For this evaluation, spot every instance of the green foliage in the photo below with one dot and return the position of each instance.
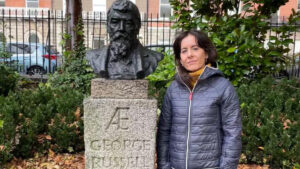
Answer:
(162, 77)
(222, 7)
(270, 109)
(240, 38)
(75, 73)
(215, 8)
(297, 166)
(49, 116)
(3, 53)
(8, 80)
(36, 120)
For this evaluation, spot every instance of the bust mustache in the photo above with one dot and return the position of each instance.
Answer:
(119, 46)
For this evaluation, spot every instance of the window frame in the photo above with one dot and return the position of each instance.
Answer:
(102, 5)
(32, 1)
(37, 39)
(160, 12)
(2, 1)
(99, 39)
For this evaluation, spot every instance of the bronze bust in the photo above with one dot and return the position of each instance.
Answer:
(124, 57)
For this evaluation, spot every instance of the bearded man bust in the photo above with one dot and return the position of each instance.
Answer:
(124, 57)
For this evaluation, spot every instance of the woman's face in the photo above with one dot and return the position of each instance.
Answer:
(192, 57)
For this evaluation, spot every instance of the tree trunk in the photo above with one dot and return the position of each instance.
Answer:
(74, 17)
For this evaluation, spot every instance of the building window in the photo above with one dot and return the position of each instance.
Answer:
(274, 17)
(33, 38)
(99, 6)
(32, 3)
(165, 8)
(2, 3)
(98, 43)
(298, 4)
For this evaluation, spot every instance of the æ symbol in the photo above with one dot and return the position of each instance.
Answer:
(119, 119)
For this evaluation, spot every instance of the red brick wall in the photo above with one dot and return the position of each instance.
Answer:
(22, 3)
(45, 3)
(286, 10)
(15, 3)
(154, 7)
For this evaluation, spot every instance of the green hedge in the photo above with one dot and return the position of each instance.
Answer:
(162, 77)
(8, 80)
(36, 120)
(271, 122)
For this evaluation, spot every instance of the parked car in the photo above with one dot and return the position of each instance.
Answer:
(31, 58)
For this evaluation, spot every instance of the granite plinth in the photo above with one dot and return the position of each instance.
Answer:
(119, 89)
(119, 133)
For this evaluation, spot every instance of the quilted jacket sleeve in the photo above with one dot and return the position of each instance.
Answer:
(232, 127)
(163, 134)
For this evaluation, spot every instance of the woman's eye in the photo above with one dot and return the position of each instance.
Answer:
(183, 51)
(195, 48)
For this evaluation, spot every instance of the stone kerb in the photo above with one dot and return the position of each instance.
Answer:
(119, 132)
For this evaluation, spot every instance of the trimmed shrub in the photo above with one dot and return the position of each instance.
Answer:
(36, 120)
(162, 77)
(271, 121)
(8, 80)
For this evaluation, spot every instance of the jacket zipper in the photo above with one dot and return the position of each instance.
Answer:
(189, 117)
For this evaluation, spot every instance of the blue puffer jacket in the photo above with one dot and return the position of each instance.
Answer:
(201, 128)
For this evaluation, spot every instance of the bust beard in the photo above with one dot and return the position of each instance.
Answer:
(120, 45)
(119, 49)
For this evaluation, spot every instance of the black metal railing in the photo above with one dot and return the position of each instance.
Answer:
(35, 37)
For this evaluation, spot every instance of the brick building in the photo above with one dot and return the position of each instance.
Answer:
(32, 28)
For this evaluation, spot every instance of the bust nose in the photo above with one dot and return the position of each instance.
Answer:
(122, 26)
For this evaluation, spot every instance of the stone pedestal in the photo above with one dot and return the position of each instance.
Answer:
(119, 125)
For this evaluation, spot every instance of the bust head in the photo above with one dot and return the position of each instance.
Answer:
(124, 57)
(123, 20)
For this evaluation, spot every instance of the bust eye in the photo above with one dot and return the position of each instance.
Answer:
(114, 21)
(129, 22)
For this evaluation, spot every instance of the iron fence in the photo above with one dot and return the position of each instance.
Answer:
(35, 37)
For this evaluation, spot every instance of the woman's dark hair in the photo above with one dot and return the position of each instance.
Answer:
(203, 42)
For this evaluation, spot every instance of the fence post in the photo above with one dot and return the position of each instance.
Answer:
(49, 40)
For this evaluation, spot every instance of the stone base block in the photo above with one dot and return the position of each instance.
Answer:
(119, 89)
(119, 133)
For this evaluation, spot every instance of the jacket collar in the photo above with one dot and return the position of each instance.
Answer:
(207, 73)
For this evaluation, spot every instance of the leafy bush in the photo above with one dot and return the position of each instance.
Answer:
(8, 80)
(75, 72)
(36, 120)
(162, 77)
(240, 37)
(271, 121)
(76, 75)
(47, 117)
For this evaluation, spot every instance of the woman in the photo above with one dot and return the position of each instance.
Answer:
(200, 124)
